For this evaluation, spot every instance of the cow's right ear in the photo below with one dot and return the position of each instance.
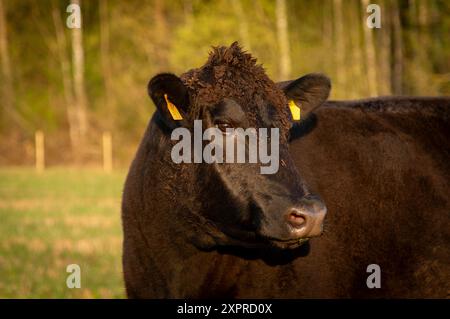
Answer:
(171, 98)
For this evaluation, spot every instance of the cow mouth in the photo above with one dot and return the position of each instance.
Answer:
(289, 243)
(251, 239)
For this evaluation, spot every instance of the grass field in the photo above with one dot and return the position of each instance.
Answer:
(57, 218)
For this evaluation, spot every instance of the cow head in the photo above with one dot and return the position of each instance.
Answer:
(235, 203)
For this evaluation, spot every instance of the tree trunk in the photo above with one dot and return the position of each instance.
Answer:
(64, 62)
(7, 92)
(243, 25)
(78, 81)
(104, 55)
(371, 63)
(327, 31)
(398, 50)
(423, 13)
(161, 36)
(355, 52)
(339, 48)
(417, 47)
(384, 76)
(283, 40)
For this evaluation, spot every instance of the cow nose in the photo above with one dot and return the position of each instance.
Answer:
(306, 220)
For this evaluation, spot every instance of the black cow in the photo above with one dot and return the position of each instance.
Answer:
(382, 167)
(226, 230)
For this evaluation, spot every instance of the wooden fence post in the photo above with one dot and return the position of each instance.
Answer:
(40, 151)
(107, 152)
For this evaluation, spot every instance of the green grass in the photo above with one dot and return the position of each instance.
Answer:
(57, 218)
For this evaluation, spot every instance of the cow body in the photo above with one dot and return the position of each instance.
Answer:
(381, 166)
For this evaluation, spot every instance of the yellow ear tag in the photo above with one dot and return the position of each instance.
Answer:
(295, 110)
(173, 109)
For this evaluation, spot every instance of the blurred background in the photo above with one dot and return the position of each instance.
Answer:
(73, 104)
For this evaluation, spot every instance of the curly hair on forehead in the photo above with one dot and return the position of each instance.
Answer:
(231, 72)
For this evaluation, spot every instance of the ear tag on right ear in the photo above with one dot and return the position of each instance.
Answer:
(295, 110)
(173, 109)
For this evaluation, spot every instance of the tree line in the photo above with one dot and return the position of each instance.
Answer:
(76, 83)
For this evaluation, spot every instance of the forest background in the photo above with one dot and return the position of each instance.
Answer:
(76, 84)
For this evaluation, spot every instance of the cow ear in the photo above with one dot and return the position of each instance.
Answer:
(306, 93)
(171, 98)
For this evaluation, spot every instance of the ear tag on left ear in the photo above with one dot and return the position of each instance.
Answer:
(173, 109)
(295, 110)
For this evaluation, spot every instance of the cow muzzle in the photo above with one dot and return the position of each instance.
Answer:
(305, 220)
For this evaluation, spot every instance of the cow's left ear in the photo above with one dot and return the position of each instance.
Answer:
(171, 98)
(306, 93)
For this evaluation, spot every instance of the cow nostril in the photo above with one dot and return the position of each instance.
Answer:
(296, 218)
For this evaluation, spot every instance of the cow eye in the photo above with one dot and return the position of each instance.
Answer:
(221, 125)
